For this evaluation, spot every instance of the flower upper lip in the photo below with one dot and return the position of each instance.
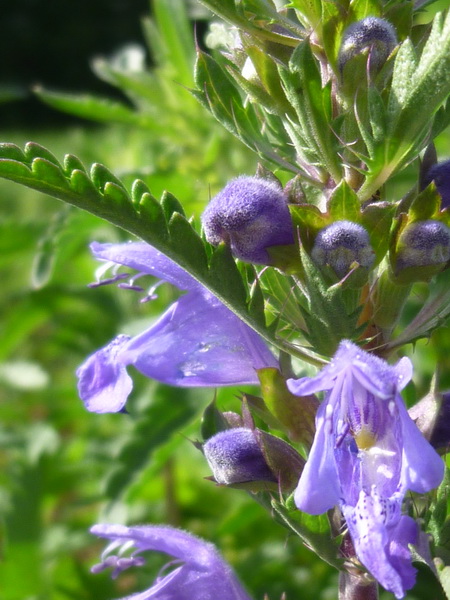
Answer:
(198, 341)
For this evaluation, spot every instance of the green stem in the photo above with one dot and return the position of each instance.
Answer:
(389, 299)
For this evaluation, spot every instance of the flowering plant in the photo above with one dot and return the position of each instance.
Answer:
(309, 263)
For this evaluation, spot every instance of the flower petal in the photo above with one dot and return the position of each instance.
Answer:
(423, 468)
(204, 575)
(381, 548)
(199, 342)
(103, 383)
(144, 258)
(318, 488)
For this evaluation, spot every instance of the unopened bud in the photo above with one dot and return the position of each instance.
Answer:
(251, 458)
(372, 34)
(440, 438)
(423, 244)
(250, 214)
(234, 456)
(342, 245)
(440, 174)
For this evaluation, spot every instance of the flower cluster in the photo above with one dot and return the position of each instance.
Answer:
(320, 267)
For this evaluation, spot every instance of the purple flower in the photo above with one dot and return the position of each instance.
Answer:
(367, 452)
(250, 214)
(197, 571)
(196, 342)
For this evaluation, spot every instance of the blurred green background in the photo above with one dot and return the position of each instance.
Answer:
(63, 469)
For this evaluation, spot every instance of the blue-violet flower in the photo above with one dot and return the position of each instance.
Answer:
(198, 571)
(250, 214)
(198, 341)
(367, 452)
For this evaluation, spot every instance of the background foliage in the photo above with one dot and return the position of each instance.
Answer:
(62, 468)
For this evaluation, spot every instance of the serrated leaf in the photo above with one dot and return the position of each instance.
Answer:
(138, 189)
(325, 313)
(72, 163)
(52, 174)
(11, 152)
(183, 245)
(416, 84)
(433, 314)
(402, 78)
(171, 205)
(150, 209)
(187, 240)
(33, 150)
(314, 108)
(83, 186)
(100, 176)
(222, 265)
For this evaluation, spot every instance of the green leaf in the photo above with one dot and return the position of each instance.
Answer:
(327, 318)
(377, 218)
(432, 315)
(103, 195)
(312, 103)
(344, 204)
(213, 421)
(175, 32)
(91, 107)
(415, 84)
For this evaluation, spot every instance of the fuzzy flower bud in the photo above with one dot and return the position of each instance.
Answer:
(440, 438)
(423, 244)
(250, 214)
(244, 457)
(234, 456)
(372, 34)
(340, 245)
(440, 174)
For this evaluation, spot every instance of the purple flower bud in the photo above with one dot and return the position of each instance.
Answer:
(440, 438)
(423, 244)
(440, 174)
(250, 214)
(373, 34)
(340, 245)
(235, 456)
